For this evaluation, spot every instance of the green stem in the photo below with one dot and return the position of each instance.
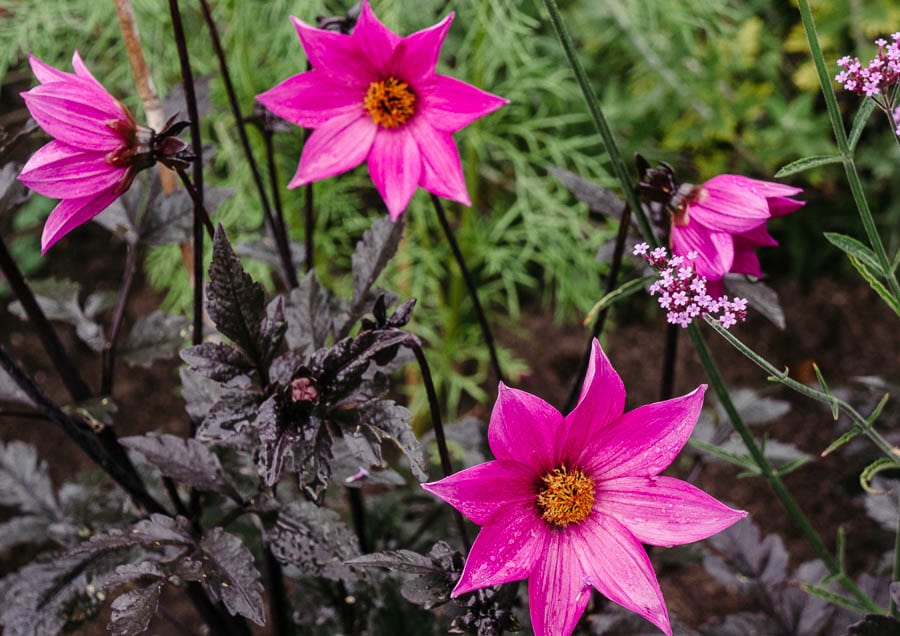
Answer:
(840, 135)
(855, 416)
(612, 149)
(771, 476)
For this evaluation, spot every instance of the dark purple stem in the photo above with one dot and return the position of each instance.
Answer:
(611, 278)
(109, 346)
(358, 515)
(470, 285)
(310, 226)
(281, 240)
(200, 210)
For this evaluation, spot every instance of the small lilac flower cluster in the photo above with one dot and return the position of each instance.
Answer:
(879, 75)
(683, 293)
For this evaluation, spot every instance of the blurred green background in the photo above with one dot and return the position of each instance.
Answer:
(709, 86)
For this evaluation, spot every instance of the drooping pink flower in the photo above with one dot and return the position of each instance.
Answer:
(373, 96)
(569, 500)
(724, 221)
(97, 147)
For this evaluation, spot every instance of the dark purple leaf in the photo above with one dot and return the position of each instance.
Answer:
(391, 421)
(235, 302)
(743, 561)
(133, 610)
(184, 460)
(229, 420)
(220, 362)
(314, 540)
(742, 624)
(10, 391)
(154, 337)
(231, 575)
(23, 530)
(289, 443)
(309, 315)
(599, 199)
(24, 481)
(199, 393)
(875, 625)
(761, 297)
(271, 332)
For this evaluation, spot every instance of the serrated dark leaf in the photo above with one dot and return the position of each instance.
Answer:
(289, 443)
(742, 624)
(220, 362)
(397, 560)
(392, 422)
(24, 481)
(154, 337)
(761, 297)
(129, 572)
(45, 595)
(231, 575)
(133, 610)
(402, 314)
(185, 460)
(599, 199)
(798, 610)
(271, 332)
(122, 216)
(377, 247)
(340, 368)
(23, 530)
(13, 192)
(199, 393)
(875, 625)
(265, 250)
(744, 560)
(895, 593)
(308, 314)
(170, 219)
(431, 577)
(314, 540)
(235, 302)
(154, 532)
(228, 421)
(59, 301)
(10, 391)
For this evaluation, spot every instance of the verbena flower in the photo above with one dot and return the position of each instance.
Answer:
(96, 151)
(724, 221)
(684, 294)
(570, 499)
(374, 96)
(878, 76)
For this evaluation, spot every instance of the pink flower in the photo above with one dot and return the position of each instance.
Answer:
(569, 500)
(96, 151)
(724, 221)
(374, 96)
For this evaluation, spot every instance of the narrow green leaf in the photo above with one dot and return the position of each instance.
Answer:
(875, 284)
(834, 598)
(840, 441)
(896, 262)
(876, 412)
(732, 458)
(869, 472)
(807, 163)
(623, 291)
(792, 466)
(853, 247)
(859, 122)
(835, 407)
(841, 547)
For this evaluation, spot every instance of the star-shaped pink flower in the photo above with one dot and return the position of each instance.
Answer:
(569, 500)
(97, 147)
(724, 221)
(373, 96)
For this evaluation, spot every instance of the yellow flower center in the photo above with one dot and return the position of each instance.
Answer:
(390, 102)
(567, 497)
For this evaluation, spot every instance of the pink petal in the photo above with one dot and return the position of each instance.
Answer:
(340, 144)
(442, 173)
(731, 204)
(767, 189)
(395, 165)
(715, 250)
(375, 40)
(417, 55)
(60, 171)
(46, 73)
(643, 442)
(664, 511)
(70, 213)
(336, 55)
(746, 262)
(757, 237)
(507, 549)
(82, 71)
(451, 105)
(524, 428)
(779, 206)
(602, 401)
(310, 99)
(67, 112)
(617, 566)
(478, 492)
(558, 590)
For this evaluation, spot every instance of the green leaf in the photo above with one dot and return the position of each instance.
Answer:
(859, 122)
(854, 248)
(875, 284)
(835, 407)
(807, 163)
(896, 261)
(833, 598)
(623, 291)
(840, 441)
(869, 472)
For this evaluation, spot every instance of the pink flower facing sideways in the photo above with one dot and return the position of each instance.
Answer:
(570, 499)
(724, 221)
(374, 96)
(96, 151)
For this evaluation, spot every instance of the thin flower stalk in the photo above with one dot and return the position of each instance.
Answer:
(109, 345)
(769, 473)
(846, 152)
